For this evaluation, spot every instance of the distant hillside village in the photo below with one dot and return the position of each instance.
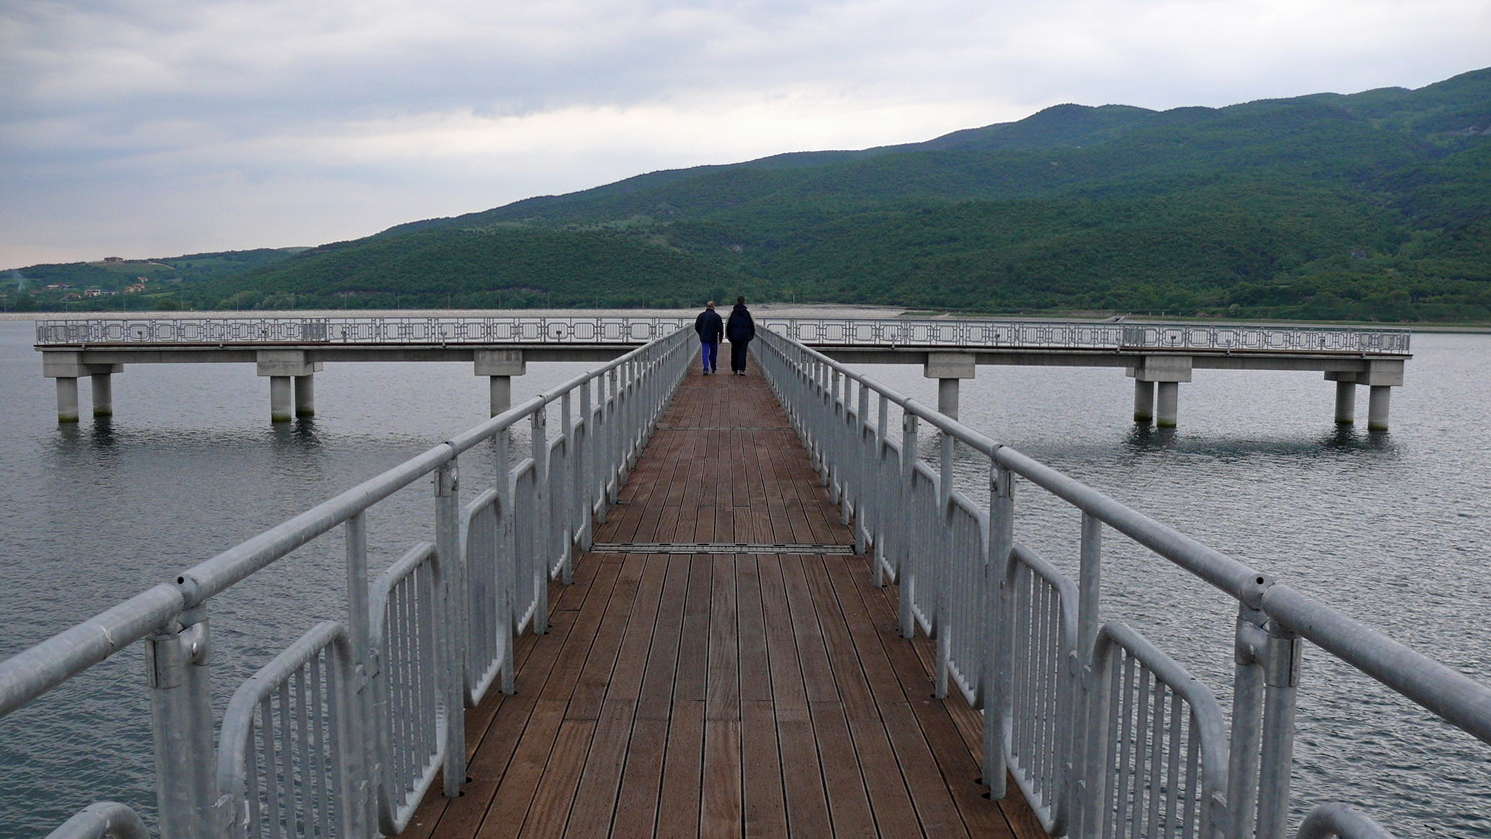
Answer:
(35, 290)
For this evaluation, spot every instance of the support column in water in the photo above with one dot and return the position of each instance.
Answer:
(1157, 381)
(1167, 404)
(305, 396)
(69, 366)
(500, 366)
(103, 394)
(1380, 376)
(285, 369)
(1143, 402)
(1345, 402)
(281, 399)
(947, 368)
(1378, 399)
(67, 399)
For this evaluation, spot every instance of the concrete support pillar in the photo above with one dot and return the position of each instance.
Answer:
(281, 400)
(499, 366)
(1167, 404)
(69, 366)
(305, 395)
(67, 399)
(1378, 399)
(289, 373)
(947, 397)
(1157, 381)
(1380, 376)
(1143, 402)
(500, 389)
(103, 394)
(947, 368)
(1345, 403)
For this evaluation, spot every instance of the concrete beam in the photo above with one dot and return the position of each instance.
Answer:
(285, 363)
(949, 365)
(499, 366)
(500, 363)
(72, 365)
(1162, 368)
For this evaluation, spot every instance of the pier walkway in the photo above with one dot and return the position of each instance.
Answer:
(723, 665)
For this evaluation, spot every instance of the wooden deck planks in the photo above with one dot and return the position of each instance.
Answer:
(753, 695)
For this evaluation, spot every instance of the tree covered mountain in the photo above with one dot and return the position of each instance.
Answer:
(1371, 206)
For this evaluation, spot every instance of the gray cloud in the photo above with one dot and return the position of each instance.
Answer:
(149, 128)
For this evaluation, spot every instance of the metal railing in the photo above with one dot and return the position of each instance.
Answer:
(343, 732)
(1087, 335)
(383, 330)
(104, 820)
(621, 329)
(1104, 734)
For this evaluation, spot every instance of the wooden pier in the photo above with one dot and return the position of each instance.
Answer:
(722, 666)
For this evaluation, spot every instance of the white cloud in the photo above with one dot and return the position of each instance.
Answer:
(146, 128)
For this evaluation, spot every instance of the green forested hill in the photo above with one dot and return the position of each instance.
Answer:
(1373, 206)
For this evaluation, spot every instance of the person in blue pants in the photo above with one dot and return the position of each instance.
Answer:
(711, 328)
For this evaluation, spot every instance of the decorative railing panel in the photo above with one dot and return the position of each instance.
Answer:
(622, 329)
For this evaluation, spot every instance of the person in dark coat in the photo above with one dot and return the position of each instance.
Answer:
(740, 329)
(710, 327)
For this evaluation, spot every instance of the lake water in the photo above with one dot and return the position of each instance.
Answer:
(1394, 528)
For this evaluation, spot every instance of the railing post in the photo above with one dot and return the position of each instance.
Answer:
(1281, 665)
(1247, 716)
(177, 670)
(833, 465)
(866, 455)
(538, 422)
(906, 579)
(585, 466)
(611, 404)
(939, 568)
(365, 757)
(452, 594)
(1001, 542)
(567, 528)
(882, 494)
(1085, 768)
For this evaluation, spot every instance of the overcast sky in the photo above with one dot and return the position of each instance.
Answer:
(141, 128)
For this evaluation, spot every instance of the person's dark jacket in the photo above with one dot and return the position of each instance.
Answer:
(709, 326)
(742, 327)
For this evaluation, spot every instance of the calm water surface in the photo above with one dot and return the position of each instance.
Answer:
(1393, 528)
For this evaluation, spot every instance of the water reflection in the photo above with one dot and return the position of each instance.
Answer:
(1148, 438)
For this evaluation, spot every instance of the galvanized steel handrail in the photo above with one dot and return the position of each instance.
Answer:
(1339, 821)
(848, 423)
(574, 471)
(104, 820)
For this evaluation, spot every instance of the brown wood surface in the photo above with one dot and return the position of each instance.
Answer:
(720, 695)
